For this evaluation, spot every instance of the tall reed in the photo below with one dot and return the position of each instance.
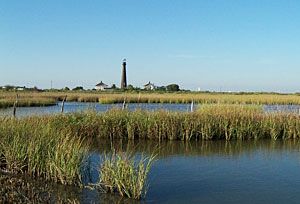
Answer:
(35, 147)
(212, 122)
(120, 173)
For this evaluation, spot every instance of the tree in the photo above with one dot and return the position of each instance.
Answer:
(160, 88)
(78, 88)
(66, 89)
(130, 87)
(173, 87)
(113, 86)
(8, 87)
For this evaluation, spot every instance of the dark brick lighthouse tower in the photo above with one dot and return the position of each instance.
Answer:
(124, 77)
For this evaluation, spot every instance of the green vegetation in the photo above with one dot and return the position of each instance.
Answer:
(35, 146)
(172, 87)
(211, 122)
(120, 173)
(27, 102)
(78, 88)
(216, 122)
(52, 148)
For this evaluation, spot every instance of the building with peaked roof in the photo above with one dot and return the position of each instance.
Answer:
(101, 86)
(149, 86)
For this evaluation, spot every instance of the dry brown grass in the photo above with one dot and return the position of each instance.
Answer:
(144, 97)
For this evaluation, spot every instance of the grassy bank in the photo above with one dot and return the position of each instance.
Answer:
(52, 148)
(34, 147)
(27, 102)
(48, 98)
(211, 122)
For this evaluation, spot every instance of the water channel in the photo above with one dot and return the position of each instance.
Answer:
(79, 107)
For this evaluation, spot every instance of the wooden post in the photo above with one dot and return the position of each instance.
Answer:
(63, 104)
(15, 105)
(192, 106)
(124, 105)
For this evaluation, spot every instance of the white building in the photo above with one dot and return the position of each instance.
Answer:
(101, 86)
(149, 86)
(19, 88)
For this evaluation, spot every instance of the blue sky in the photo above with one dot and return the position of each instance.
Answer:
(227, 45)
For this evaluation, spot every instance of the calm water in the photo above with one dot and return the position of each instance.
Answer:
(219, 171)
(207, 172)
(77, 107)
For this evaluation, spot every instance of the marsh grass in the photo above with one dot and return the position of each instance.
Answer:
(54, 147)
(48, 98)
(33, 146)
(26, 101)
(122, 173)
(211, 122)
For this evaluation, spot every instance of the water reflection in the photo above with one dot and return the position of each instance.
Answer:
(217, 171)
(262, 171)
(80, 106)
(195, 148)
(282, 108)
(19, 189)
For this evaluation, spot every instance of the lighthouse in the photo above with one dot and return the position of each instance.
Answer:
(124, 77)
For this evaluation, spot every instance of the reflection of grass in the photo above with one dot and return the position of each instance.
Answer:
(197, 148)
(120, 173)
(45, 98)
(17, 189)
